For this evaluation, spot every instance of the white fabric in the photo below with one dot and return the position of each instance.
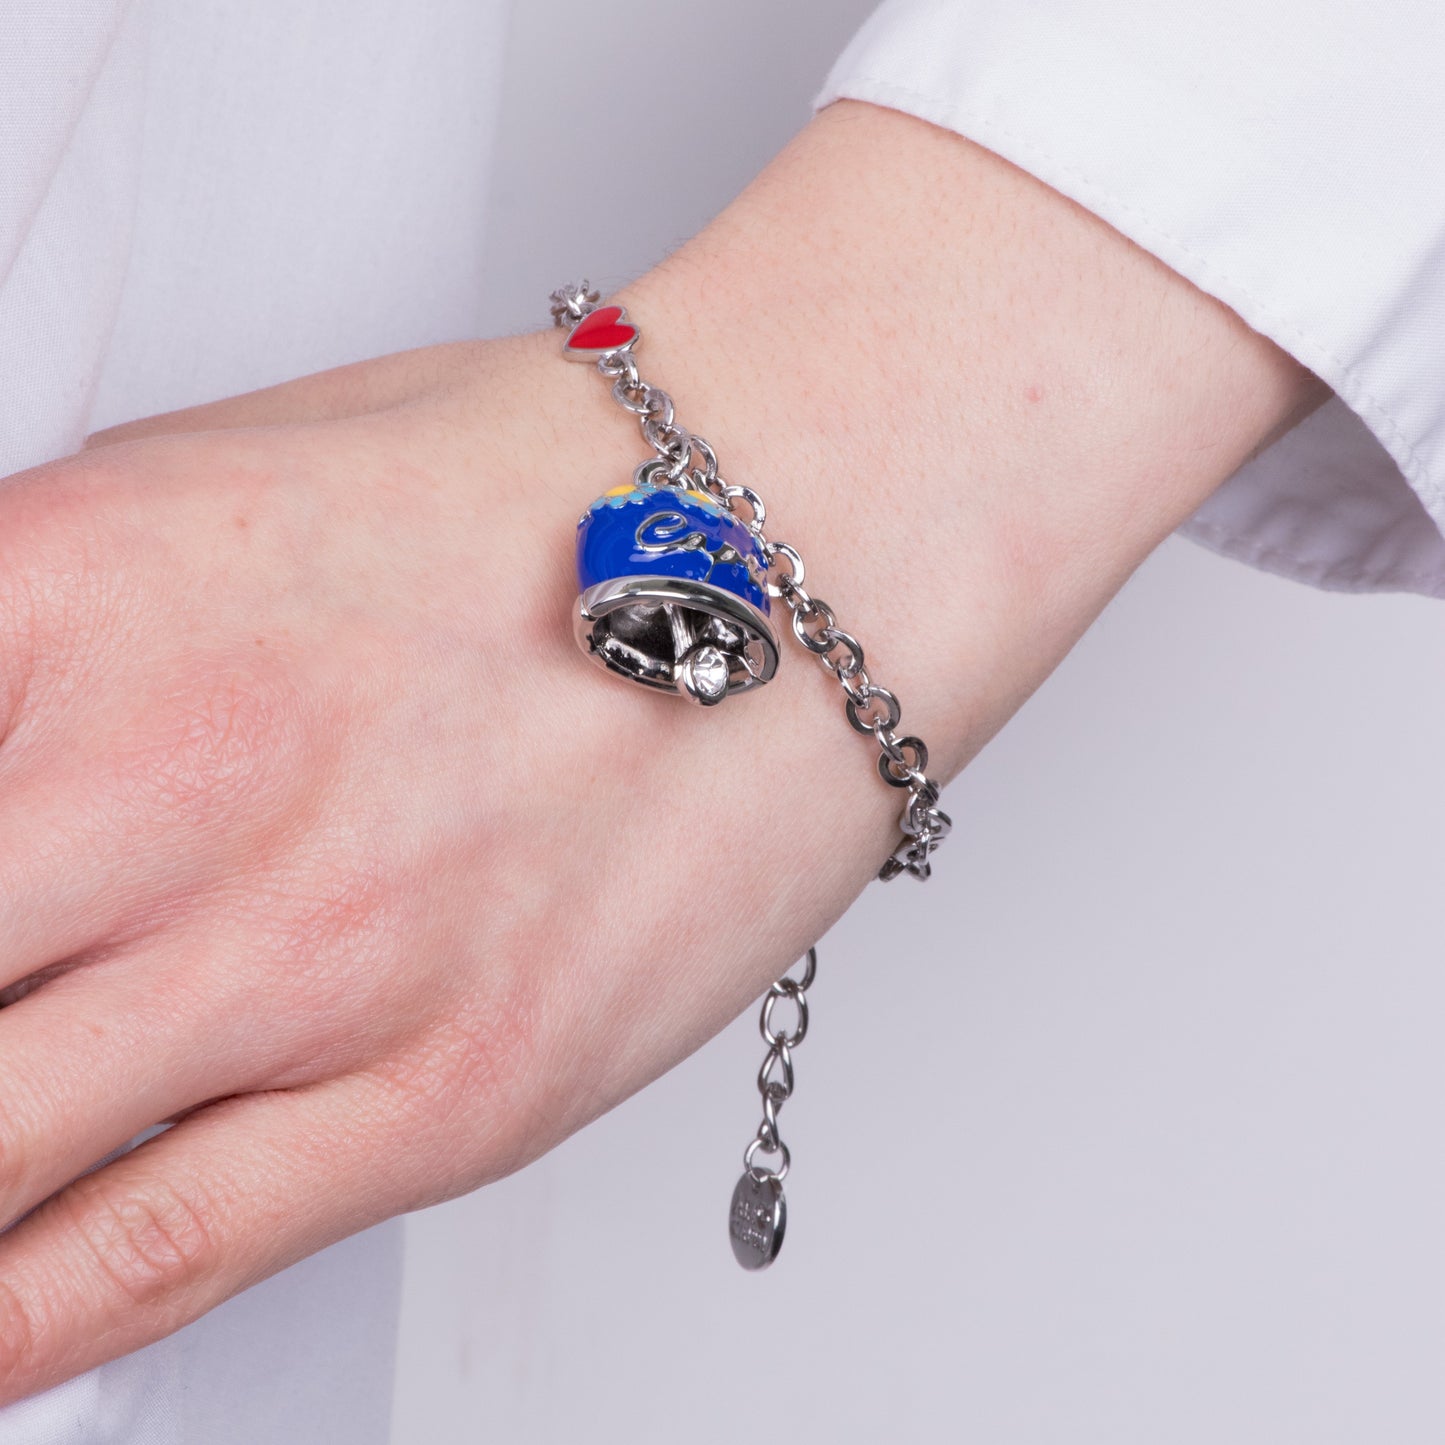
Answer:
(71, 106)
(1285, 156)
(201, 196)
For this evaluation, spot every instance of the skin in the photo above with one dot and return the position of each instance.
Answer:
(320, 836)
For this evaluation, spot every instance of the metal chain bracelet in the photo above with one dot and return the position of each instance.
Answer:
(676, 576)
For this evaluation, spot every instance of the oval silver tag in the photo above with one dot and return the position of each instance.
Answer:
(756, 1220)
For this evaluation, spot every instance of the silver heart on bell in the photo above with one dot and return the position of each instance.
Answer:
(673, 592)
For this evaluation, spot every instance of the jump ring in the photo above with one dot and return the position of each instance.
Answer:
(843, 671)
(900, 771)
(755, 506)
(784, 988)
(780, 1173)
(790, 580)
(806, 614)
(779, 1053)
(890, 718)
(810, 972)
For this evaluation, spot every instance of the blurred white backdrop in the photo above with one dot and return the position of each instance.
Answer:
(1128, 1127)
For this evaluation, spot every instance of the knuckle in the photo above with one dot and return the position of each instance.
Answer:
(149, 1244)
(464, 1063)
(330, 935)
(211, 737)
(470, 1087)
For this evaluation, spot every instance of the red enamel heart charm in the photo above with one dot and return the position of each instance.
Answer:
(598, 331)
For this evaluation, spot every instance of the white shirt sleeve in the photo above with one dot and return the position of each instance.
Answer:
(1286, 156)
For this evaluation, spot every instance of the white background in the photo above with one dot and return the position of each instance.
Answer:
(1127, 1127)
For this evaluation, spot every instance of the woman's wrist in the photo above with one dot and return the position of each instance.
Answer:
(971, 450)
(973, 436)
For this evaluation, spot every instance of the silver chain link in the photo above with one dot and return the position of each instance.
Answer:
(684, 459)
(775, 1078)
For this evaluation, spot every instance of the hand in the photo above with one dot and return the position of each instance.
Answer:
(313, 811)
(319, 837)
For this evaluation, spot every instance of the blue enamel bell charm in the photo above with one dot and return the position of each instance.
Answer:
(673, 591)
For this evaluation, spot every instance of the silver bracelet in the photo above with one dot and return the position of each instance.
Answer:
(676, 579)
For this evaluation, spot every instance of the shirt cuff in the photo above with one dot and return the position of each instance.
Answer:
(1286, 176)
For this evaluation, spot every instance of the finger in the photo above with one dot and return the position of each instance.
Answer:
(106, 1050)
(105, 834)
(344, 391)
(83, 865)
(228, 1197)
